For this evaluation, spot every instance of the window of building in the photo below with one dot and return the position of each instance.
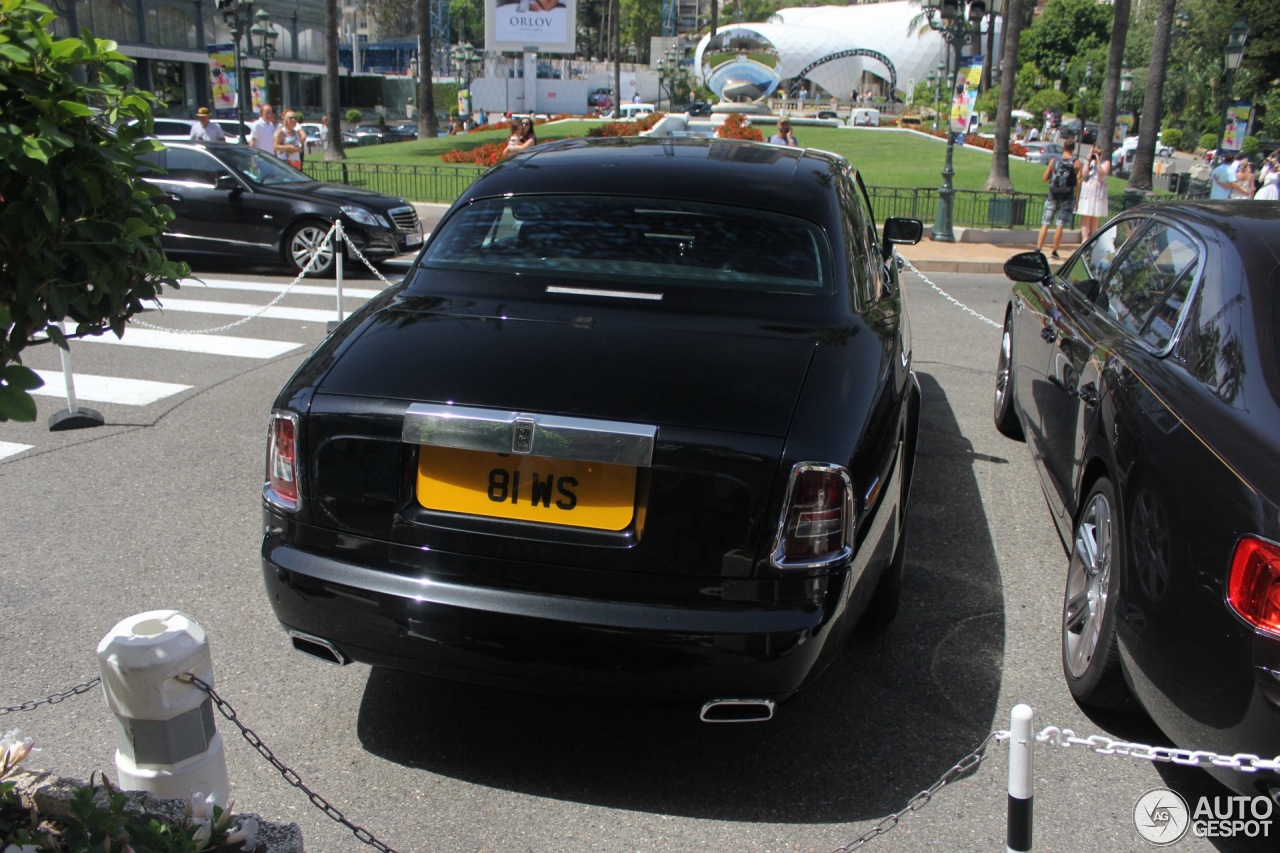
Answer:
(109, 19)
(171, 27)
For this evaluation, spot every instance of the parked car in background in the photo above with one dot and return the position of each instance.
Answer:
(1085, 132)
(1042, 152)
(693, 486)
(1122, 157)
(697, 108)
(633, 112)
(312, 130)
(1145, 377)
(601, 98)
(179, 129)
(238, 202)
(864, 117)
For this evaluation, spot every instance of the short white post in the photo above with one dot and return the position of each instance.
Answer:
(339, 252)
(72, 417)
(1021, 779)
(166, 742)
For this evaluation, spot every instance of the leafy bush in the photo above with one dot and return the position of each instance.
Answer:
(79, 231)
(1208, 140)
(1251, 146)
(354, 115)
(489, 154)
(625, 128)
(1173, 136)
(735, 127)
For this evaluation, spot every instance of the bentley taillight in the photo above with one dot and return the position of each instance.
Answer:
(817, 524)
(1254, 586)
(282, 461)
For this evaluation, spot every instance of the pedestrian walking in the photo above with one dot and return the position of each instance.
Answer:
(205, 130)
(262, 133)
(1094, 206)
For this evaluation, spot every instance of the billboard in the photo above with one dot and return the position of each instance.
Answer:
(222, 80)
(966, 92)
(1237, 126)
(544, 26)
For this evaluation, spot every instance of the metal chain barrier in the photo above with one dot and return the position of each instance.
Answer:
(54, 699)
(962, 768)
(326, 242)
(360, 256)
(1243, 762)
(947, 296)
(285, 771)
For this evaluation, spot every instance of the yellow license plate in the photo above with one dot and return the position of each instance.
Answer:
(527, 488)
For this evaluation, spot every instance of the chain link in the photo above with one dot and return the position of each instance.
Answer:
(54, 699)
(368, 263)
(1102, 745)
(962, 768)
(285, 771)
(948, 296)
(328, 239)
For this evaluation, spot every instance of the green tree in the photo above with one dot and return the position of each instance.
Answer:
(1065, 30)
(79, 232)
(1015, 19)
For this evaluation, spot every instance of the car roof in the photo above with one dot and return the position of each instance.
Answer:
(745, 174)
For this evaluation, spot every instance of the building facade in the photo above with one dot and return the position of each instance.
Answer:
(170, 40)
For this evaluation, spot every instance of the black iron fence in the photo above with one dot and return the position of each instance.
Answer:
(415, 183)
(970, 208)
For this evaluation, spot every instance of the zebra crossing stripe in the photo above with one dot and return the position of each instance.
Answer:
(192, 285)
(241, 309)
(205, 344)
(108, 389)
(11, 448)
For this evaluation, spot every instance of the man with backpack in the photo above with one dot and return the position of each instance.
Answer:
(1063, 177)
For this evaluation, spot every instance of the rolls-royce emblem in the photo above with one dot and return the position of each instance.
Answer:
(522, 436)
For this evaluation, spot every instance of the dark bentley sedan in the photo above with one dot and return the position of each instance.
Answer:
(236, 201)
(641, 421)
(1145, 375)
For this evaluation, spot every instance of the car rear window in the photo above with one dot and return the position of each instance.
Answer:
(621, 240)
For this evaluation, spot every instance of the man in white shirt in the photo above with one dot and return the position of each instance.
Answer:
(262, 133)
(206, 131)
(1222, 179)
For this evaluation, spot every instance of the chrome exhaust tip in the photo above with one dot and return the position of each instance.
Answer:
(317, 647)
(737, 711)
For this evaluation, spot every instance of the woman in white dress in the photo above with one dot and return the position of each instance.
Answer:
(1093, 204)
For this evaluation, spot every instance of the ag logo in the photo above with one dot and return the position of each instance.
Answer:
(1161, 816)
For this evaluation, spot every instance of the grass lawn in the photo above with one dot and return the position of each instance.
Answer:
(885, 158)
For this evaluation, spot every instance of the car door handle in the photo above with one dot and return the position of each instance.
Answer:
(1049, 333)
(173, 197)
(1089, 394)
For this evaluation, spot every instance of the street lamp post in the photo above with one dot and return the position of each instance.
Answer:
(1081, 105)
(933, 87)
(263, 39)
(1235, 54)
(464, 55)
(237, 14)
(958, 21)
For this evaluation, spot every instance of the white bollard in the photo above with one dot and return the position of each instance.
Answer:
(167, 742)
(1021, 779)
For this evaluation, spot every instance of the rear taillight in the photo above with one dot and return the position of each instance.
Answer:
(1254, 586)
(281, 488)
(817, 523)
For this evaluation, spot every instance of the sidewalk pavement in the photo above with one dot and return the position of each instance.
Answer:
(975, 251)
(979, 251)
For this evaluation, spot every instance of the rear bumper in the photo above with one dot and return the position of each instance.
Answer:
(428, 621)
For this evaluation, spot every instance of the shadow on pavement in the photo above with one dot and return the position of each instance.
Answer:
(893, 714)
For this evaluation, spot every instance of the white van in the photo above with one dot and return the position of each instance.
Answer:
(631, 112)
(864, 117)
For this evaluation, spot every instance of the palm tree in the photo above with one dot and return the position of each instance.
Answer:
(428, 124)
(1015, 17)
(332, 94)
(1144, 158)
(1111, 89)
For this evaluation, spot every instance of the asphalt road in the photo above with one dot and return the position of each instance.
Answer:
(159, 508)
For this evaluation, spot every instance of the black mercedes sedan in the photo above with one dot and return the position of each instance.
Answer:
(1145, 376)
(239, 202)
(640, 422)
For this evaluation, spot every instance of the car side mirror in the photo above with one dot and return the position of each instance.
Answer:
(900, 231)
(1027, 266)
(225, 182)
